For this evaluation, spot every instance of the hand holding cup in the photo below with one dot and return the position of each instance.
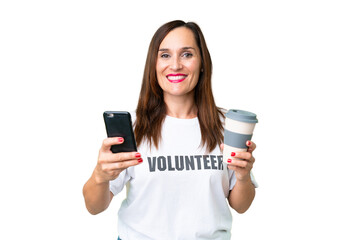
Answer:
(242, 162)
(238, 148)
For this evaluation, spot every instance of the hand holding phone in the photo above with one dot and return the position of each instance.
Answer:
(115, 156)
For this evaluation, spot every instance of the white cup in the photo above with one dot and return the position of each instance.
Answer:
(239, 128)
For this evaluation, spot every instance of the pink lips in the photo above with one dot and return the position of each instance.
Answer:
(176, 78)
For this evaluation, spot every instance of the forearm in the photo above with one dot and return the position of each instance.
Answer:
(97, 195)
(242, 195)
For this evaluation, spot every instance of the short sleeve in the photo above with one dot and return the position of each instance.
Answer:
(118, 184)
(232, 179)
(253, 180)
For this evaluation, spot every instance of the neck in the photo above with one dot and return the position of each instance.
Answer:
(181, 106)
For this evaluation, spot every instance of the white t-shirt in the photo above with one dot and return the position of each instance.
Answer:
(179, 191)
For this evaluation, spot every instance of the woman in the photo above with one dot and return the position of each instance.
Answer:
(177, 184)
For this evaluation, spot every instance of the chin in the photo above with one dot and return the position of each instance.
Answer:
(178, 93)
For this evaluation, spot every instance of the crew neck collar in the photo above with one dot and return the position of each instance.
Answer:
(182, 120)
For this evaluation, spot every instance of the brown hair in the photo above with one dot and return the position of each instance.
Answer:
(151, 109)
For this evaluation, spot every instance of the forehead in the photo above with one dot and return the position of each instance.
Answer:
(178, 38)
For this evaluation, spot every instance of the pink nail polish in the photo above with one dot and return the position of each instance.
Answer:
(120, 139)
(229, 160)
(232, 154)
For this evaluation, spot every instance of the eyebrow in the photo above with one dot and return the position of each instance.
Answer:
(184, 48)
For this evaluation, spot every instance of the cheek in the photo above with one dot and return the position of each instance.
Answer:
(158, 68)
(194, 66)
(160, 65)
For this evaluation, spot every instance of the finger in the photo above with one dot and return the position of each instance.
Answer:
(108, 142)
(238, 163)
(110, 167)
(120, 157)
(232, 167)
(235, 168)
(251, 146)
(242, 155)
(125, 156)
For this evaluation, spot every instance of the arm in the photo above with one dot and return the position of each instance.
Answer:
(243, 193)
(97, 195)
(96, 190)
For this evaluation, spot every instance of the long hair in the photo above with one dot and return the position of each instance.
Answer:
(151, 109)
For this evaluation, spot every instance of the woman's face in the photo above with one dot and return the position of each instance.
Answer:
(178, 63)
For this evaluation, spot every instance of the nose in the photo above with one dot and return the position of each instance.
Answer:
(176, 64)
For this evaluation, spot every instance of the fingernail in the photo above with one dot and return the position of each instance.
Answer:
(137, 155)
(140, 160)
(120, 139)
(232, 154)
(248, 143)
(229, 160)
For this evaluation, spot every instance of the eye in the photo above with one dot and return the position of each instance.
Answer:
(164, 55)
(187, 55)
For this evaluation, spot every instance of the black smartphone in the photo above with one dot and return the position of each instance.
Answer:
(118, 124)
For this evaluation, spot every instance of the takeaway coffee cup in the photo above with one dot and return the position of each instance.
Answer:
(239, 127)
